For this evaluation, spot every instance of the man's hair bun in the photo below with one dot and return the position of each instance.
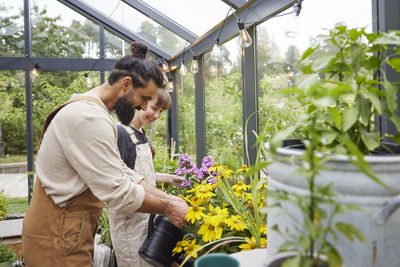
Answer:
(139, 50)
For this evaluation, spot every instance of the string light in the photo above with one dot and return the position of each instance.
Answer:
(183, 69)
(194, 67)
(163, 65)
(292, 27)
(216, 51)
(35, 70)
(89, 82)
(244, 36)
(170, 83)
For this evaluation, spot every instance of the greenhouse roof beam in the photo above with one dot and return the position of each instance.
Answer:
(253, 12)
(165, 21)
(56, 64)
(111, 25)
(236, 4)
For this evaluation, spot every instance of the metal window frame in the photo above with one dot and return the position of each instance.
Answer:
(112, 26)
(165, 21)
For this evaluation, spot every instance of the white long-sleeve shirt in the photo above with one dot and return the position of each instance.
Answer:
(79, 151)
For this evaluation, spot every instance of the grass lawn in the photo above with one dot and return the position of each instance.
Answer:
(13, 159)
(17, 205)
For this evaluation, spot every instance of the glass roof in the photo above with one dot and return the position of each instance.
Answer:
(196, 16)
(139, 24)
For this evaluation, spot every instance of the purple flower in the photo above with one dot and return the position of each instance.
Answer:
(186, 183)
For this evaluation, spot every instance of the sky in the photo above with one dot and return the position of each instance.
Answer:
(200, 16)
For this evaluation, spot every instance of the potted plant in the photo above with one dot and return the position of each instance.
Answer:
(7, 255)
(324, 176)
(224, 214)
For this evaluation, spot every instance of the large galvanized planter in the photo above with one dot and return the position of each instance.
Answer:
(380, 222)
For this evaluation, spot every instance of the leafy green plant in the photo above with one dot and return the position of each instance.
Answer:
(3, 206)
(6, 253)
(341, 96)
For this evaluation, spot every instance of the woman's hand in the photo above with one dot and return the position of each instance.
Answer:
(169, 178)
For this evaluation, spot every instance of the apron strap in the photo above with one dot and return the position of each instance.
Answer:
(50, 117)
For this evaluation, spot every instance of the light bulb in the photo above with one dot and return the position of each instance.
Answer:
(216, 52)
(183, 69)
(194, 67)
(213, 69)
(89, 82)
(244, 36)
(170, 86)
(35, 71)
(293, 25)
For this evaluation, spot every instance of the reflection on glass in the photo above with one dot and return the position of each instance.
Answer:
(277, 54)
(11, 28)
(141, 25)
(223, 99)
(186, 114)
(58, 31)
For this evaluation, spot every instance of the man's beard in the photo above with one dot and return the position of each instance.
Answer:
(124, 110)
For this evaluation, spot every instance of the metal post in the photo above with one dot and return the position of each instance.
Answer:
(250, 99)
(200, 116)
(385, 17)
(102, 52)
(172, 121)
(28, 101)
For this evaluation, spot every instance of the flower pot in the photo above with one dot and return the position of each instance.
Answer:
(216, 260)
(161, 239)
(280, 258)
(380, 222)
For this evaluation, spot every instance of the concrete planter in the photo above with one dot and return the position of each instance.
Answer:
(380, 223)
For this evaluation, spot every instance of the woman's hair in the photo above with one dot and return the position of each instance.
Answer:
(163, 99)
(136, 66)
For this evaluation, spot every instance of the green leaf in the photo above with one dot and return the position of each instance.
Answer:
(391, 96)
(308, 52)
(292, 262)
(333, 256)
(327, 138)
(349, 230)
(370, 139)
(350, 116)
(336, 117)
(375, 101)
(396, 121)
(322, 61)
(394, 63)
(355, 54)
(309, 81)
(388, 38)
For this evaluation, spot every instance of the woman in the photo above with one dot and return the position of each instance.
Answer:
(129, 232)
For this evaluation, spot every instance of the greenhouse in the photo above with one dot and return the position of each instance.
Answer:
(255, 133)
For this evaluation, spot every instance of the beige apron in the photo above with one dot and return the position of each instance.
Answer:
(128, 231)
(55, 236)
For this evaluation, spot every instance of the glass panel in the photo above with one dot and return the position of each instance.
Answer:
(224, 124)
(196, 16)
(186, 113)
(115, 47)
(277, 54)
(138, 23)
(58, 31)
(12, 28)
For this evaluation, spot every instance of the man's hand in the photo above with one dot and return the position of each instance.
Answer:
(176, 212)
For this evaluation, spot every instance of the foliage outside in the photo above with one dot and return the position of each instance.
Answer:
(223, 211)
(341, 97)
(3, 206)
(6, 253)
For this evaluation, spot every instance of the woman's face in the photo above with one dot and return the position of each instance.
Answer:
(151, 114)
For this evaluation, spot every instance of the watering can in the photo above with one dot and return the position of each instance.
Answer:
(162, 236)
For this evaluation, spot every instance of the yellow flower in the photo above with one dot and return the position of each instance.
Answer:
(220, 227)
(226, 172)
(180, 245)
(264, 229)
(250, 244)
(240, 186)
(243, 169)
(215, 168)
(235, 222)
(195, 213)
(217, 211)
(208, 229)
(191, 248)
